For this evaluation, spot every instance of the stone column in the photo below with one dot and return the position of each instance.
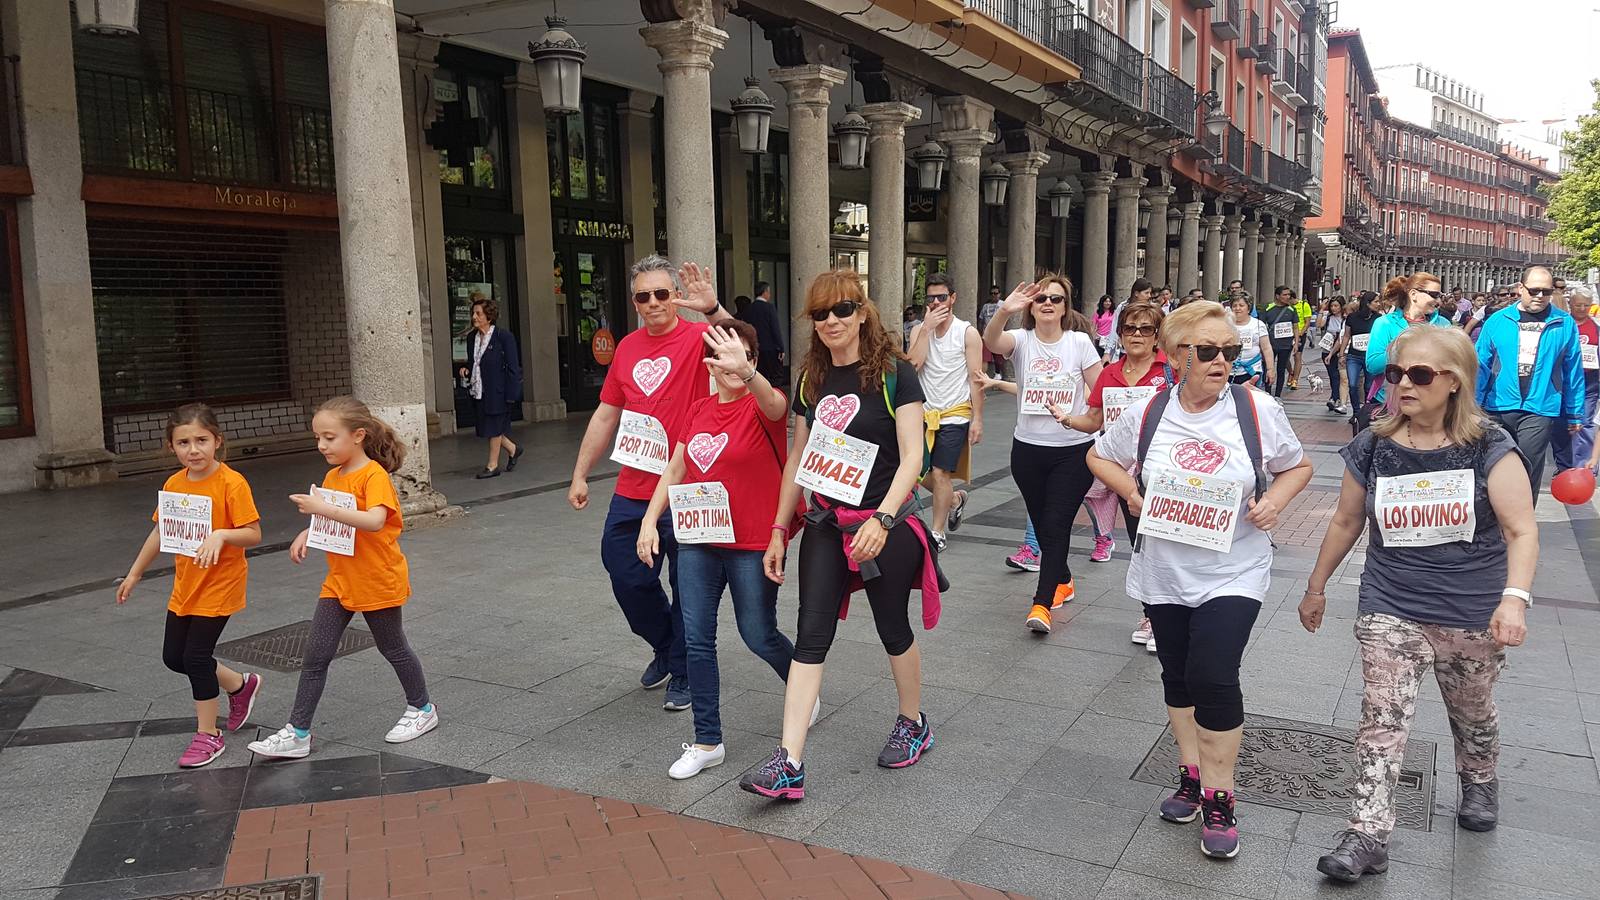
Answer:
(1250, 259)
(1155, 237)
(1297, 258)
(637, 115)
(1285, 272)
(685, 46)
(1022, 199)
(58, 305)
(886, 241)
(1230, 248)
(1189, 246)
(1269, 261)
(967, 123)
(1211, 267)
(375, 240)
(1096, 234)
(1125, 259)
(540, 323)
(810, 210)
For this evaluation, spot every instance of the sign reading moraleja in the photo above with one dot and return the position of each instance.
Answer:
(240, 198)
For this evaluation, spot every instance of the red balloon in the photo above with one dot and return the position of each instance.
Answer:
(1574, 486)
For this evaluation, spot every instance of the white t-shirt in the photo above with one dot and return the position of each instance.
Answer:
(1071, 355)
(1208, 443)
(944, 374)
(1250, 335)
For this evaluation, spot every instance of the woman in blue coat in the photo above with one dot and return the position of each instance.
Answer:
(494, 379)
(1416, 301)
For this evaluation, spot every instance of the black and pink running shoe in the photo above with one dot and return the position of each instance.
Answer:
(908, 740)
(1184, 804)
(776, 778)
(1219, 830)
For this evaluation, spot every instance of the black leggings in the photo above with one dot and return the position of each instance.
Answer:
(1053, 482)
(1200, 649)
(190, 648)
(823, 573)
(327, 626)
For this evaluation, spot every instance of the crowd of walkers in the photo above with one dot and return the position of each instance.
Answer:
(1166, 408)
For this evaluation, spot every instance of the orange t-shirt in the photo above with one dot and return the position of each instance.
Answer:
(377, 576)
(219, 590)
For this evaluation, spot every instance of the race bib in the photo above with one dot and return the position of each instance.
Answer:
(1358, 342)
(326, 534)
(1191, 508)
(1119, 399)
(1326, 343)
(1528, 345)
(836, 465)
(700, 513)
(1282, 331)
(641, 443)
(184, 521)
(1045, 384)
(1426, 509)
(1591, 355)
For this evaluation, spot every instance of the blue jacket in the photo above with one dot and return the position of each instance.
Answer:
(500, 368)
(1556, 387)
(1385, 329)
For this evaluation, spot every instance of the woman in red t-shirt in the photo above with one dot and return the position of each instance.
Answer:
(725, 473)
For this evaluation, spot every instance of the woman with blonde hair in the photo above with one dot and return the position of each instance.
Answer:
(1445, 500)
(1207, 466)
(1056, 365)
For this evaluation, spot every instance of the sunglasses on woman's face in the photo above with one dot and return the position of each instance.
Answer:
(661, 294)
(1421, 376)
(1140, 330)
(1434, 294)
(1208, 352)
(842, 310)
(1056, 299)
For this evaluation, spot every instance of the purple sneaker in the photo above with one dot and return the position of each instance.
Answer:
(1184, 805)
(1219, 830)
(242, 701)
(202, 750)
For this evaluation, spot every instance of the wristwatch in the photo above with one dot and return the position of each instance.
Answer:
(884, 519)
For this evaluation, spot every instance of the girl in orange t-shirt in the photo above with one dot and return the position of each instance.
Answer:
(208, 587)
(373, 580)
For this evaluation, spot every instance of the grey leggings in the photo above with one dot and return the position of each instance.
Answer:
(327, 626)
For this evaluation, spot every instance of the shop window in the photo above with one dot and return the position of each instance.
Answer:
(767, 186)
(470, 130)
(16, 418)
(583, 154)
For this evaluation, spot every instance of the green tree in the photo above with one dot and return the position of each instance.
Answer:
(1575, 199)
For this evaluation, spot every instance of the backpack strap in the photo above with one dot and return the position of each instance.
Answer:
(1147, 432)
(889, 392)
(800, 391)
(1250, 427)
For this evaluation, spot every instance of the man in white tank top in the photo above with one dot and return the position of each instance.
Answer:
(948, 355)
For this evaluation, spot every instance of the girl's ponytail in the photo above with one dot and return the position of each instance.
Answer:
(382, 445)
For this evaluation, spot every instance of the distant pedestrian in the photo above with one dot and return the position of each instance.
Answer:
(1575, 449)
(494, 380)
(1104, 315)
(208, 584)
(1415, 300)
(1283, 323)
(762, 314)
(947, 354)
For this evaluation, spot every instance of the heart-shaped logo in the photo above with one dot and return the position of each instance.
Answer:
(705, 448)
(1045, 365)
(650, 374)
(1199, 456)
(838, 412)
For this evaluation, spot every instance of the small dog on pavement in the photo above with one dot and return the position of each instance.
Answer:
(1316, 383)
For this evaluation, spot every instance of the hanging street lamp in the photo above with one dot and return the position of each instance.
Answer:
(752, 111)
(108, 16)
(1061, 199)
(558, 58)
(852, 131)
(995, 180)
(930, 158)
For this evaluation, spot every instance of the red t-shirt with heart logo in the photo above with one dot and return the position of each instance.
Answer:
(736, 444)
(660, 376)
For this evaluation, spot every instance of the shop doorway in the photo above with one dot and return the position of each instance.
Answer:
(476, 266)
(774, 270)
(594, 316)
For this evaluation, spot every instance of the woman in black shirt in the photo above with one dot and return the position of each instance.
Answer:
(1353, 344)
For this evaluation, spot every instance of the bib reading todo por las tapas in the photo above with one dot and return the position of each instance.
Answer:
(1045, 384)
(836, 465)
(700, 513)
(184, 521)
(326, 534)
(1191, 508)
(1426, 509)
(1282, 330)
(1118, 399)
(1358, 342)
(641, 443)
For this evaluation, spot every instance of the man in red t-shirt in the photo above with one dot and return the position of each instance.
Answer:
(655, 377)
(1581, 446)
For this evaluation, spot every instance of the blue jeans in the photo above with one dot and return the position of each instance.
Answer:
(706, 570)
(1571, 449)
(1333, 368)
(637, 587)
(1355, 371)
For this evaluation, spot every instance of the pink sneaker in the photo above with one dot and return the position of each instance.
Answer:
(241, 703)
(202, 750)
(1025, 559)
(1103, 545)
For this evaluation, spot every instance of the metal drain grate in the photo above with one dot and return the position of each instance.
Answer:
(1306, 767)
(306, 887)
(284, 649)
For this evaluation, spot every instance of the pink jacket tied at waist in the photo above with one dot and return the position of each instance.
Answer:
(849, 518)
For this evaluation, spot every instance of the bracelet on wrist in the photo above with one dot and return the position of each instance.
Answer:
(782, 528)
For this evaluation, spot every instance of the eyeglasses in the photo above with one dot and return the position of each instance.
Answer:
(1421, 376)
(1208, 352)
(936, 298)
(1434, 294)
(1056, 299)
(1140, 330)
(661, 294)
(842, 310)
(1540, 292)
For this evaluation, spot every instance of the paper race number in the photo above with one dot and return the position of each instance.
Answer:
(1282, 331)
(1326, 343)
(836, 465)
(1046, 384)
(1591, 355)
(1426, 509)
(1358, 342)
(326, 534)
(700, 513)
(1120, 398)
(184, 521)
(641, 443)
(1191, 508)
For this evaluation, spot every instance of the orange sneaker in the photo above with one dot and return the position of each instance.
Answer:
(1039, 619)
(1064, 595)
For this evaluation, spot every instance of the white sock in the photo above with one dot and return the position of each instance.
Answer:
(794, 762)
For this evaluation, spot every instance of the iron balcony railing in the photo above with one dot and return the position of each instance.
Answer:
(1282, 71)
(1227, 23)
(1266, 51)
(1030, 18)
(1109, 63)
(1252, 27)
(1414, 240)
(1235, 156)
(1285, 173)
(1171, 98)
(1258, 166)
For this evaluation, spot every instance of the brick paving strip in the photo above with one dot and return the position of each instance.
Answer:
(518, 839)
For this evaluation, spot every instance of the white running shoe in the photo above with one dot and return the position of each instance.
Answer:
(283, 744)
(413, 724)
(816, 710)
(1143, 634)
(694, 761)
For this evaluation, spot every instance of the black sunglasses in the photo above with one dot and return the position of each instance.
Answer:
(1421, 376)
(844, 309)
(1540, 292)
(1208, 352)
(936, 298)
(1057, 299)
(662, 294)
(1434, 294)
(1140, 330)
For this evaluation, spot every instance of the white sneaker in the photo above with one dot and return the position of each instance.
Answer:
(1143, 634)
(694, 760)
(938, 540)
(413, 724)
(283, 744)
(816, 710)
(1150, 645)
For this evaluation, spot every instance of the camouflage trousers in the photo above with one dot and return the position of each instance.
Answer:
(1395, 656)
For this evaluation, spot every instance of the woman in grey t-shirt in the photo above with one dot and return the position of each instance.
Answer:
(1439, 489)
